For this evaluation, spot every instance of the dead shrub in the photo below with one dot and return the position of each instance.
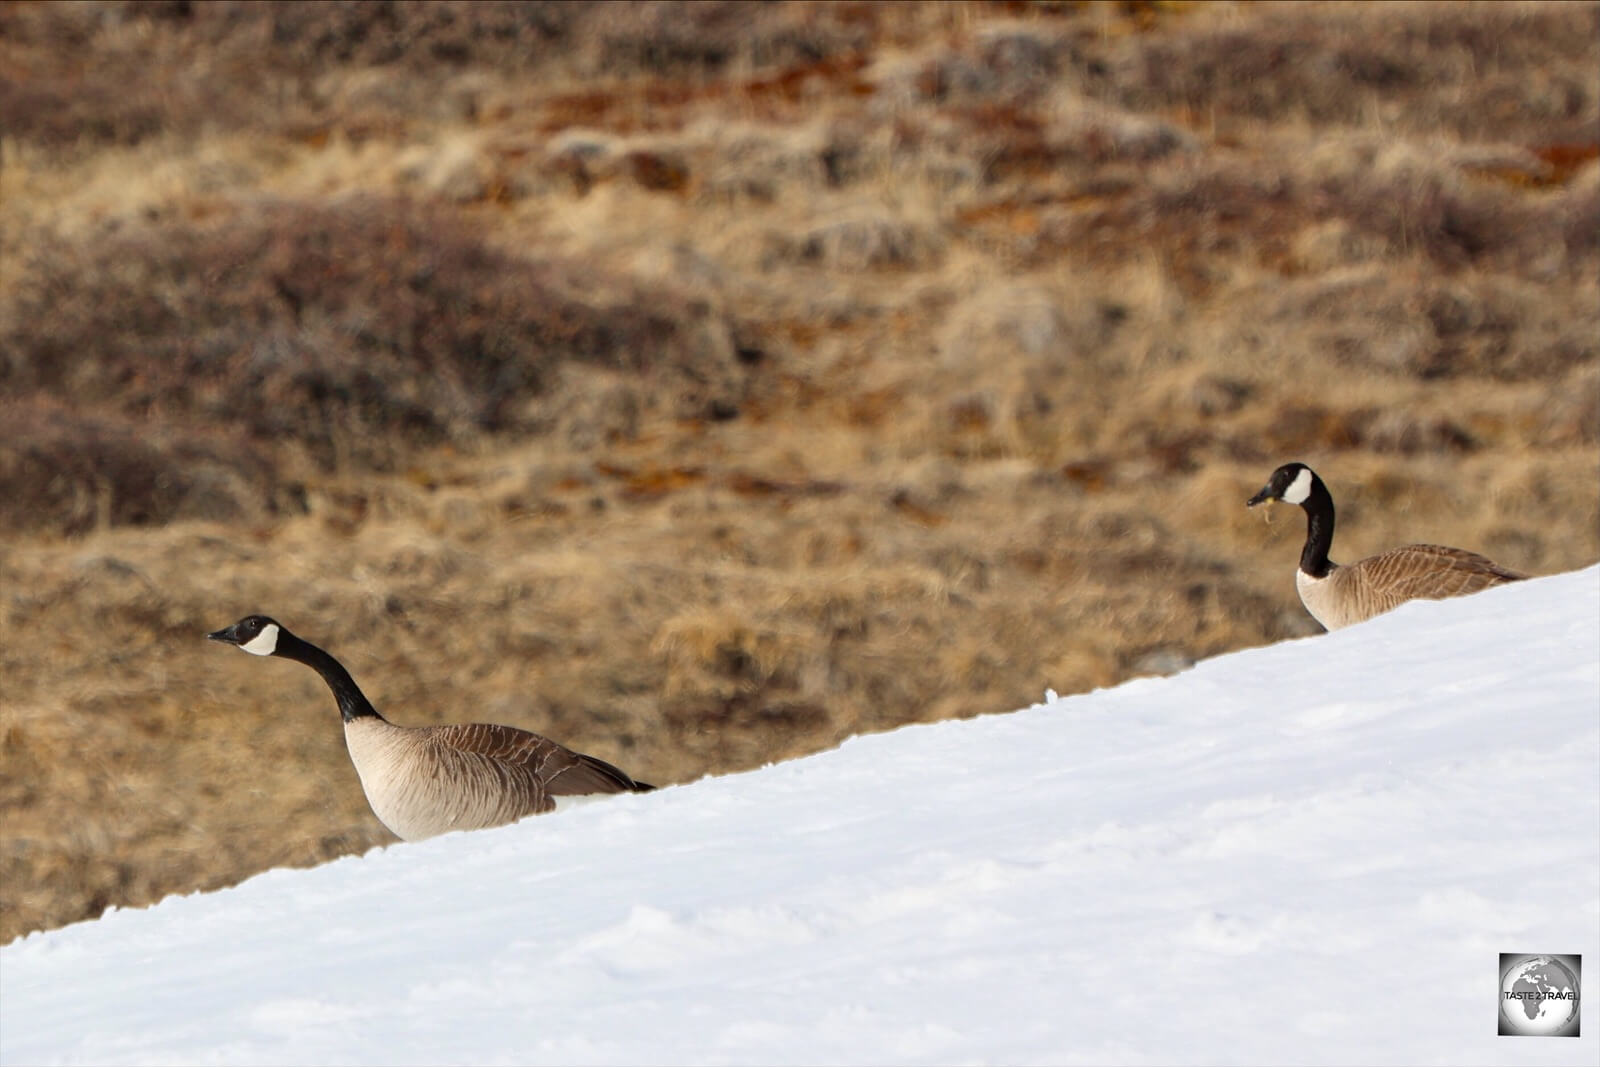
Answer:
(1018, 61)
(864, 242)
(417, 33)
(1458, 67)
(267, 66)
(1201, 213)
(1581, 214)
(1569, 417)
(695, 38)
(359, 330)
(1471, 325)
(63, 111)
(70, 473)
(1418, 206)
(1385, 431)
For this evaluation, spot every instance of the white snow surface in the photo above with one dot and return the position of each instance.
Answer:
(1307, 853)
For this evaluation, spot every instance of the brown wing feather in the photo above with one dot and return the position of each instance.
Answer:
(586, 774)
(558, 770)
(1429, 572)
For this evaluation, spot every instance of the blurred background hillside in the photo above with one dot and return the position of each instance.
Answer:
(702, 383)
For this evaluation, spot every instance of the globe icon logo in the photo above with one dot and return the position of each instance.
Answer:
(1539, 995)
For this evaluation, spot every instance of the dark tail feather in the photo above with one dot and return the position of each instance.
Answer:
(619, 777)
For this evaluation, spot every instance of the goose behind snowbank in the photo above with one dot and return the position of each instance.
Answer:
(427, 780)
(1339, 596)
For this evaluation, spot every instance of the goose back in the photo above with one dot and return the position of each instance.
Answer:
(424, 781)
(1380, 583)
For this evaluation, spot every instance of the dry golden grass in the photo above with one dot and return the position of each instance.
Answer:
(703, 384)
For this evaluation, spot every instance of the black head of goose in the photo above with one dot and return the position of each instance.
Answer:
(1338, 596)
(428, 780)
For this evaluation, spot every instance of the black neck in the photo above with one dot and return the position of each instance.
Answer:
(353, 704)
(1319, 530)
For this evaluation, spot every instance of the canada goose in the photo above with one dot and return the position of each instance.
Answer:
(427, 780)
(1338, 596)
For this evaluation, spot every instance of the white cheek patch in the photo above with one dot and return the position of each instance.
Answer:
(263, 643)
(1298, 489)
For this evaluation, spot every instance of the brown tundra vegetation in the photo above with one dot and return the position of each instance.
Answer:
(700, 384)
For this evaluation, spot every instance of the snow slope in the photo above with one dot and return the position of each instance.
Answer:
(1308, 853)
